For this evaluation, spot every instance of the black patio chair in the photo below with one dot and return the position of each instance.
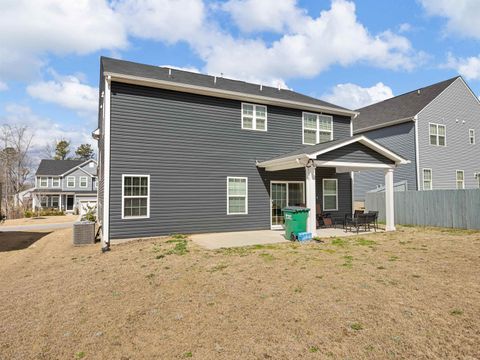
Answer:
(364, 220)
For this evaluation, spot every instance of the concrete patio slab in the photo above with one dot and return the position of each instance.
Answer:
(258, 237)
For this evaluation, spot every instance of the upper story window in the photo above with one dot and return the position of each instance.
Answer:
(254, 117)
(460, 179)
(237, 195)
(437, 134)
(56, 182)
(427, 179)
(71, 181)
(43, 182)
(136, 196)
(83, 181)
(471, 135)
(317, 128)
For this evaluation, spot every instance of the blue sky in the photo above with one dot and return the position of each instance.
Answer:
(352, 53)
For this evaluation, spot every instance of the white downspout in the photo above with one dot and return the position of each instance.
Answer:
(106, 168)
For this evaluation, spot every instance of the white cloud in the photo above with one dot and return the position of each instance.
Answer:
(68, 92)
(468, 67)
(462, 15)
(353, 96)
(404, 27)
(45, 130)
(3, 86)
(265, 15)
(335, 37)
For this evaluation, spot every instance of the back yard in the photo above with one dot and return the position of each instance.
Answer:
(410, 294)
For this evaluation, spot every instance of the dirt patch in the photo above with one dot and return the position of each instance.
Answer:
(409, 294)
(40, 220)
(17, 240)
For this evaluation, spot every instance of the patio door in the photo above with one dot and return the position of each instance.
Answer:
(283, 194)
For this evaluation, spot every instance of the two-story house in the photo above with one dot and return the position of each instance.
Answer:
(68, 185)
(435, 127)
(182, 152)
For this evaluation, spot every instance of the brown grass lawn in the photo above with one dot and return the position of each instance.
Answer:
(40, 220)
(413, 294)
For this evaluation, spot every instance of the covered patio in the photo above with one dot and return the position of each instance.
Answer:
(339, 156)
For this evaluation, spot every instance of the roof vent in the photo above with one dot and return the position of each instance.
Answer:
(215, 80)
(419, 92)
(169, 72)
(261, 87)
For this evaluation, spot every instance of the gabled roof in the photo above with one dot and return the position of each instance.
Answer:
(56, 167)
(310, 152)
(80, 167)
(398, 109)
(127, 69)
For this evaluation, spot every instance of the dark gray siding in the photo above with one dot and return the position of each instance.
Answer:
(355, 152)
(189, 144)
(400, 139)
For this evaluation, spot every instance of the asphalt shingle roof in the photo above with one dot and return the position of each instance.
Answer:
(186, 77)
(399, 107)
(56, 167)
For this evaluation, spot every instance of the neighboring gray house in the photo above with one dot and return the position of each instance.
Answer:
(436, 128)
(181, 152)
(69, 185)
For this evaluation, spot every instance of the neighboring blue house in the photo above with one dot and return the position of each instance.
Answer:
(68, 185)
(436, 127)
(181, 152)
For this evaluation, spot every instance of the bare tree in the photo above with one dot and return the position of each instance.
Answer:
(15, 162)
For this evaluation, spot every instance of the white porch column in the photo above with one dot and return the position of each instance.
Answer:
(311, 199)
(389, 205)
(60, 202)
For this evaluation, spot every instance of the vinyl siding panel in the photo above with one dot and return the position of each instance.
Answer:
(189, 144)
(456, 102)
(355, 152)
(77, 174)
(400, 139)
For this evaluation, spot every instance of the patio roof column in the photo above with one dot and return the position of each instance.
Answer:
(311, 198)
(389, 202)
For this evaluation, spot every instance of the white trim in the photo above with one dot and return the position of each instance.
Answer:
(323, 194)
(389, 201)
(67, 179)
(59, 182)
(276, 227)
(254, 117)
(80, 167)
(40, 182)
(437, 135)
(80, 182)
(106, 165)
(317, 130)
(203, 90)
(456, 179)
(423, 179)
(245, 196)
(417, 154)
(352, 190)
(136, 197)
(384, 125)
(471, 135)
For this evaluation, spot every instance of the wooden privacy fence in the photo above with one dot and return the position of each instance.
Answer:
(444, 208)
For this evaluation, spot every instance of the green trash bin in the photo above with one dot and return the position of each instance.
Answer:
(295, 221)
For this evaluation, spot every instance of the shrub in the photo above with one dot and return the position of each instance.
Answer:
(91, 214)
(28, 213)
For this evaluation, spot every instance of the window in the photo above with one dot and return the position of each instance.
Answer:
(56, 182)
(471, 135)
(427, 179)
(43, 181)
(460, 179)
(94, 181)
(317, 128)
(437, 134)
(54, 202)
(83, 181)
(237, 195)
(477, 176)
(71, 181)
(254, 117)
(330, 195)
(135, 196)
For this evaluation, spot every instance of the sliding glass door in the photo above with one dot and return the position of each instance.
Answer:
(283, 194)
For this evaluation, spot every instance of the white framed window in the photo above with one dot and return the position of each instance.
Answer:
(94, 181)
(471, 136)
(83, 182)
(237, 195)
(56, 182)
(43, 182)
(427, 179)
(254, 117)
(460, 179)
(70, 181)
(438, 136)
(477, 177)
(316, 128)
(330, 194)
(135, 196)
